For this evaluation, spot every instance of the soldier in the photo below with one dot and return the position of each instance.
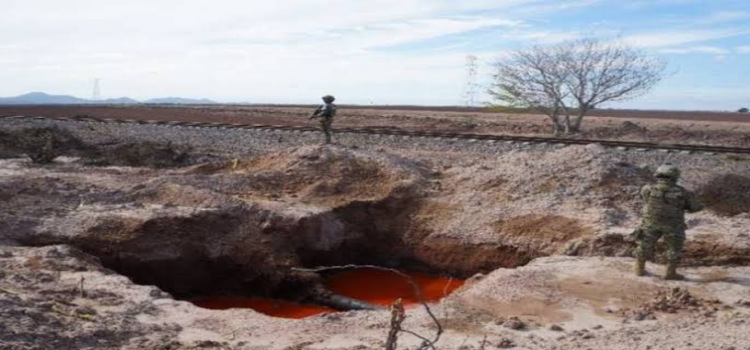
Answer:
(326, 112)
(665, 204)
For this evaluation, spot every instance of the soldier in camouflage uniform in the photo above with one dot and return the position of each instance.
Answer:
(664, 216)
(326, 112)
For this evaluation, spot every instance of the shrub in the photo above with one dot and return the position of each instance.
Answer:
(743, 110)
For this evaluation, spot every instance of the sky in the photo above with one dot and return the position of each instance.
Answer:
(363, 52)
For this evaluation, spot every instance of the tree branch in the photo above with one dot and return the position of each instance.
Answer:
(426, 343)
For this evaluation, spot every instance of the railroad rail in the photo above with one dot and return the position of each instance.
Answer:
(642, 146)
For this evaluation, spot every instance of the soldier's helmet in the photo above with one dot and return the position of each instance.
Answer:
(667, 171)
(328, 98)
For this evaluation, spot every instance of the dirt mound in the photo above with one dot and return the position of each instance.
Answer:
(45, 144)
(630, 127)
(142, 154)
(326, 176)
(622, 182)
(545, 233)
(173, 194)
(670, 301)
(726, 195)
(42, 145)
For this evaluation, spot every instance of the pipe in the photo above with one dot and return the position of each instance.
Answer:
(340, 302)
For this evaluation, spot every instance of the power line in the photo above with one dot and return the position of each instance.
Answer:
(96, 93)
(471, 86)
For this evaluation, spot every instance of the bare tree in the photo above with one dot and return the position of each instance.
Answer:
(568, 80)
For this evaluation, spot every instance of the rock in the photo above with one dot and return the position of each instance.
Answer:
(514, 323)
(208, 344)
(506, 344)
(476, 278)
(556, 328)
(6, 254)
(332, 317)
(85, 310)
(53, 253)
(157, 293)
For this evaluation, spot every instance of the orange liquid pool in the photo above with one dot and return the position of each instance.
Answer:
(271, 307)
(383, 288)
(373, 286)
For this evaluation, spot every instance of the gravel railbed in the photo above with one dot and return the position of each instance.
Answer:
(240, 142)
(250, 142)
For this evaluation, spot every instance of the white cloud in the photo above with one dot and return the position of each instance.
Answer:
(743, 49)
(661, 39)
(557, 6)
(724, 17)
(644, 3)
(691, 98)
(541, 36)
(244, 50)
(695, 49)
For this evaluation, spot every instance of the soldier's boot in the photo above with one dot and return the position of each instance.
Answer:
(640, 267)
(671, 272)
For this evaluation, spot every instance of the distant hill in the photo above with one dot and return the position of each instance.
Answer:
(40, 98)
(116, 101)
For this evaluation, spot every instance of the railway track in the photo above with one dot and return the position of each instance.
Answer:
(641, 146)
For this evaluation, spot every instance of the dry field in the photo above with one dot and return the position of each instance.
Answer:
(712, 128)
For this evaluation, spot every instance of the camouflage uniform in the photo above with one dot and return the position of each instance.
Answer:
(326, 112)
(664, 216)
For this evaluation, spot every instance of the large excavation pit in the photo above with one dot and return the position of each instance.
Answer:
(373, 286)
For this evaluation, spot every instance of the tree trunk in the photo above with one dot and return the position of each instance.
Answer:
(579, 120)
(568, 127)
(555, 124)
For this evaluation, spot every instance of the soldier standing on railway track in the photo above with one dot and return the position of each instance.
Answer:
(665, 204)
(325, 113)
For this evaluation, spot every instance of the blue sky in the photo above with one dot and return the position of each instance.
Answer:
(378, 51)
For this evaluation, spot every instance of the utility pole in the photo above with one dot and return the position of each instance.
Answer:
(96, 93)
(470, 89)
